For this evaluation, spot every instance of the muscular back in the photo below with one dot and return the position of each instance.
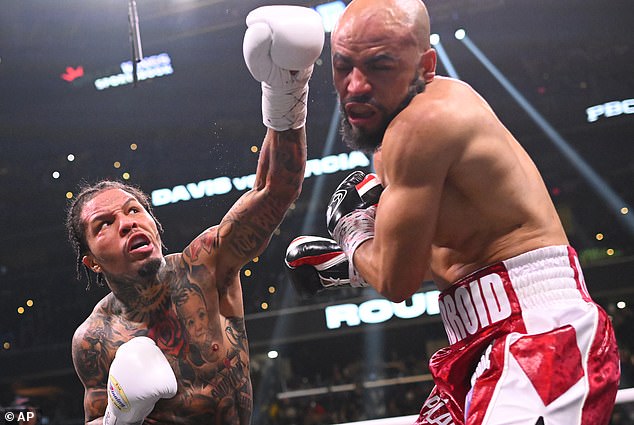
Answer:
(482, 196)
(200, 329)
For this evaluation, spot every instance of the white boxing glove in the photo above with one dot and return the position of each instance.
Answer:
(139, 376)
(280, 46)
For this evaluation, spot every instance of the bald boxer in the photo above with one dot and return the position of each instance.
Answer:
(168, 345)
(462, 204)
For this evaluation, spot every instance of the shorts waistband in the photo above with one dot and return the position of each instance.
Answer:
(540, 278)
(547, 275)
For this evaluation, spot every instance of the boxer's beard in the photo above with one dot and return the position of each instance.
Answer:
(369, 142)
(150, 268)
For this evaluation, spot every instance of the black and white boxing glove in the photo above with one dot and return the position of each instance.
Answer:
(280, 46)
(315, 264)
(350, 215)
(139, 376)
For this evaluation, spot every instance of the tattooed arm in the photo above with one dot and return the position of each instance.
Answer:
(91, 365)
(238, 373)
(246, 229)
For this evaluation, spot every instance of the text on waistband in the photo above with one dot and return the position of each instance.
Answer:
(474, 306)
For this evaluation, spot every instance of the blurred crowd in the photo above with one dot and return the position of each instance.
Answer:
(324, 382)
(364, 402)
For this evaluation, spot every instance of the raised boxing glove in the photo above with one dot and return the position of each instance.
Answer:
(280, 46)
(139, 376)
(350, 214)
(315, 264)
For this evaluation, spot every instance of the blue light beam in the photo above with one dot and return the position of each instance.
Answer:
(609, 196)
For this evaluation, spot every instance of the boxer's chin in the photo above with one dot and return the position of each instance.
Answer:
(357, 139)
(369, 142)
(150, 268)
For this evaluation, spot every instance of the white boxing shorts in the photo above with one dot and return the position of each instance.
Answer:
(528, 346)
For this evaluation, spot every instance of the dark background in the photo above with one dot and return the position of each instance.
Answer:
(200, 123)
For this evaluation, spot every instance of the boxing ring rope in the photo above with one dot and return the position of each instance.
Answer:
(625, 395)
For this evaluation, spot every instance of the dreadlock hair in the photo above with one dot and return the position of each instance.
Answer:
(76, 230)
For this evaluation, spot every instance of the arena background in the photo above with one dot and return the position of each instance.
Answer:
(559, 74)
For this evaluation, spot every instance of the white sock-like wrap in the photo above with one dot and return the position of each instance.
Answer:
(285, 106)
(352, 230)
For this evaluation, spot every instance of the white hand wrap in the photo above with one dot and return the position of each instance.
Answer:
(139, 376)
(284, 106)
(352, 230)
(280, 47)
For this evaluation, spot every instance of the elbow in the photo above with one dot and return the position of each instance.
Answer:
(398, 282)
(397, 286)
(395, 297)
(395, 292)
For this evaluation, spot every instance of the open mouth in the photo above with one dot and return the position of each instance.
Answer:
(138, 242)
(359, 111)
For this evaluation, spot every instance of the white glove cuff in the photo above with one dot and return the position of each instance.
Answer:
(284, 109)
(111, 418)
(351, 231)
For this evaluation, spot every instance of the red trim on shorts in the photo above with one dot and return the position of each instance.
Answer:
(487, 384)
(483, 307)
(579, 279)
(474, 304)
(603, 371)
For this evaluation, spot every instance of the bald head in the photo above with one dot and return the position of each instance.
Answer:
(381, 60)
(407, 19)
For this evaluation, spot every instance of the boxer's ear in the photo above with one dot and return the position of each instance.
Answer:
(427, 65)
(89, 262)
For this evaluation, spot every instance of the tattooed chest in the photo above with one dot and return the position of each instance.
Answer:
(224, 397)
(205, 350)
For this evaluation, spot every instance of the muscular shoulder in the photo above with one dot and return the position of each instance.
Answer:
(96, 340)
(434, 130)
(98, 318)
(447, 108)
(206, 259)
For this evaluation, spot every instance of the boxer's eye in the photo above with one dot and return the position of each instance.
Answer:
(103, 225)
(342, 68)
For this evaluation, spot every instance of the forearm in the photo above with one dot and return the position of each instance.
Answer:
(95, 403)
(283, 65)
(367, 263)
(97, 421)
(396, 260)
(247, 228)
(282, 164)
(395, 280)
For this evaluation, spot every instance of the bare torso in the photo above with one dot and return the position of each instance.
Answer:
(491, 201)
(189, 303)
(202, 334)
